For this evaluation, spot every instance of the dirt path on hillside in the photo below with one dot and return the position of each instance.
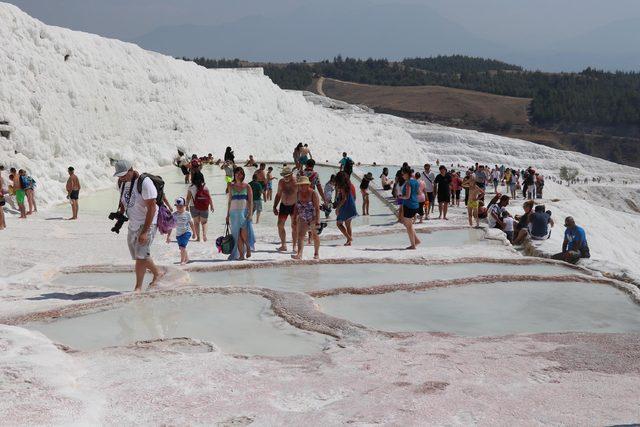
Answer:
(319, 84)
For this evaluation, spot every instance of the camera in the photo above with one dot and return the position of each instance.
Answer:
(120, 219)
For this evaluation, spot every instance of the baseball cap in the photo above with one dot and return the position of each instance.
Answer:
(180, 201)
(122, 167)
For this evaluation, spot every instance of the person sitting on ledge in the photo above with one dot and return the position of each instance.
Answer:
(574, 245)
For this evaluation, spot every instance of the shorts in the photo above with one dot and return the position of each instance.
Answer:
(20, 195)
(431, 197)
(137, 250)
(421, 208)
(285, 211)
(183, 239)
(408, 212)
(456, 193)
(74, 194)
(444, 198)
(545, 237)
(257, 205)
(197, 213)
(185, 170)
(473, 204)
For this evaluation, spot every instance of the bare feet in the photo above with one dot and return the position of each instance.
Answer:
(248, 254)
(418, 241)
(410, 248)
(348, 243)
(296, 257)
(204, 238)
(157, 278)
(316, 256)
(282, 249)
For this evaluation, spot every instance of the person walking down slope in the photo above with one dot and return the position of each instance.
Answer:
(200, 204)
(307, 212)
(73, 192)
(283, 206)
(184, 225)
(239, 215)
(139, 201)
(443, 190)
(345, 205)
(410, 205)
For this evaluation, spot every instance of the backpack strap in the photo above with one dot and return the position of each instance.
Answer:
(133, 181)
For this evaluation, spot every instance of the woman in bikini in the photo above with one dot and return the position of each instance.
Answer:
(307, 211)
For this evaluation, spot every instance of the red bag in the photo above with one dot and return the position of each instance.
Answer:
(202, 199)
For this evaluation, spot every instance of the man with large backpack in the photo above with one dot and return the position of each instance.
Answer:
(139, 200)
(346, 164)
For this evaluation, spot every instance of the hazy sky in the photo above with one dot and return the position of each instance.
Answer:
(494, 19)
(549, 35)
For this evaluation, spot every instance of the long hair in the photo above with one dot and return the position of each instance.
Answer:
(342, 181)
(235, 171)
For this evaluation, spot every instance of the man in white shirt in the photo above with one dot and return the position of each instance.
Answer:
(142, 211)
(494, 216)
(495, 176)
(429, 177)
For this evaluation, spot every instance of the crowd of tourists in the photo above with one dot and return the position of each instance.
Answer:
(302, 199)
(18, 193)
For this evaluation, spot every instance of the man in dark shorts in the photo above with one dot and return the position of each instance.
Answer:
(429, 177)
(283, 206)
(442, 187)
(261, 175)
(73, 192)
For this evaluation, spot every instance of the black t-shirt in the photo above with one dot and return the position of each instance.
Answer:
(443, 182)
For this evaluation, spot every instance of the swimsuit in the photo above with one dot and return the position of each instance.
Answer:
(306, 211)
(285, 210)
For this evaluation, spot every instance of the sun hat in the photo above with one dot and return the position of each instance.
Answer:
(303, 180)
(286, 171)
(180, 201)
(122, 167)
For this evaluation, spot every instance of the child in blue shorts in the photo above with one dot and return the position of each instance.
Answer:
(184, 225)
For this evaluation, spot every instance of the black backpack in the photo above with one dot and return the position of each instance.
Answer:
(157, 182)
(348, 166)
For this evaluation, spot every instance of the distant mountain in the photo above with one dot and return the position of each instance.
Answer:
(615, 46)
(322, 30)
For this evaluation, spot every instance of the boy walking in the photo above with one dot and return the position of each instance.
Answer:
(184, 225)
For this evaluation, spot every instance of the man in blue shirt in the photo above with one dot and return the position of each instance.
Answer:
(346, 164)
(575, 244)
